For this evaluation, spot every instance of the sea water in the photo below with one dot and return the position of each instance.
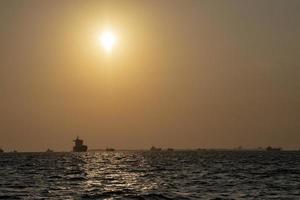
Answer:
(151, 175)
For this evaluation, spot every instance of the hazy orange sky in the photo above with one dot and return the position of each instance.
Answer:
(184, 74)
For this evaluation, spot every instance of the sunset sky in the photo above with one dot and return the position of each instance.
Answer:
(181, 74)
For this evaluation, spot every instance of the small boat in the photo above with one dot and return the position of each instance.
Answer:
(170, 149)
(153, 148)
(110, 149)
(201, 149)
(49, 151)
(269, 148)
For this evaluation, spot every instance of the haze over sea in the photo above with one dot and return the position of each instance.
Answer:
(151, 175)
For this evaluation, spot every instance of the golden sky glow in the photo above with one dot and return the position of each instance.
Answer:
(182, 74)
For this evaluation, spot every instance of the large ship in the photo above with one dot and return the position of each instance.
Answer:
(79, 146)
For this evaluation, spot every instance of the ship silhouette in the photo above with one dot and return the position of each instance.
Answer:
(153, 148)
(79, 146)
(269, 148)
(49, 151)
(110, 149)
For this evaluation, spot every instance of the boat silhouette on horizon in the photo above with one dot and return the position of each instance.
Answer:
(153, 148)
(109, 149)
(269, 148)
(49, 151)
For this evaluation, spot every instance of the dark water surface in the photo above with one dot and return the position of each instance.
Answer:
(150, 175)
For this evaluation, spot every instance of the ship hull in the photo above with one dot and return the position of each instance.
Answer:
(82, 148)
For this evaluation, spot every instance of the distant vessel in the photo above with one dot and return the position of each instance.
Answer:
(79, 147)
(273, 149)
(49, 151)
(1, 150)
(170, 149)
(153, 148)
(201, 149)
(110, 149)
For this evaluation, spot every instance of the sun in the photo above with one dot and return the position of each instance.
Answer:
(108, 40)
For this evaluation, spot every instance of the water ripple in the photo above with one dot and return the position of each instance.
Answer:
(150, 175)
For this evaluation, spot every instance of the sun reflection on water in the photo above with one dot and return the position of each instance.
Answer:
(115, 171)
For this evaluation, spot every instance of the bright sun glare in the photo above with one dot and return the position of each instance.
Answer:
(108, 40)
